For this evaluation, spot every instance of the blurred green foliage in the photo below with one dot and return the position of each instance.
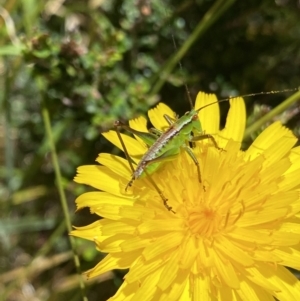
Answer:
(96, 61)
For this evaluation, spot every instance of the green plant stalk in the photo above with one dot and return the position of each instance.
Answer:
(209, 18)
(268, 117)
(9, 148)
(47, 123)
(5, 107)
(57, 131)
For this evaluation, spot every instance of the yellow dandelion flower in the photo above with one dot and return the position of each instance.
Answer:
(232, 236)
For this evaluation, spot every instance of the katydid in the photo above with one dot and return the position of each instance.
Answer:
(165, 146)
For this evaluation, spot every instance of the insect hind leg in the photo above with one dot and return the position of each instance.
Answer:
(162, 196)
(117, 125)
(149, 177)
(194, 158)
(164, 199)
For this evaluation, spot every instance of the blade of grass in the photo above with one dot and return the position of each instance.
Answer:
(47, 123)
(214, 13)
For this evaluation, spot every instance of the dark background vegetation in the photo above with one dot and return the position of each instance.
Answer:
(92, 62)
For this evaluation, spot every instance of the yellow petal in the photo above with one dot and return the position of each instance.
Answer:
(228, 248)
(112, 243)
(147, 288)
(126, 291)
(142, 269)
(99, 177)
(112, 262)
(104, 204)
(226, 271)
(156, 116)
(188, 253)
(88, 232)
(160, 226)
(178, 286)
(116, 164)
(162, 244)
(134, 243)
(290, 256)
(252, 236)
(288, 285)
(250, 291)
(210, 115)
(137, 213)
(295, 159)
(169, 272)
(200, 289)
(134, 148)
(260, 274)
(274, 142)
(116, 227)
(139, 124)
(290, 180)
(236, 121)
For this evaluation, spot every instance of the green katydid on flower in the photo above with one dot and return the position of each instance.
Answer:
(233, 236)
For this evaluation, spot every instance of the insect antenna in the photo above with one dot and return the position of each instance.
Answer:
(181, 69)
(249, 95)
(261, 93)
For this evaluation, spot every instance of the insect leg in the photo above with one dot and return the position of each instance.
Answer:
(169, 119)
(206, 136)
(167, 156)
(194, 158)
(117, 125)
(155, 132)
(147, 137)
(164, 199)
(149, 177)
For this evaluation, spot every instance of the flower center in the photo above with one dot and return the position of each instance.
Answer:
(204, 221)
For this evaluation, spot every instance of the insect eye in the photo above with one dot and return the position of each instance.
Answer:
(195, 117)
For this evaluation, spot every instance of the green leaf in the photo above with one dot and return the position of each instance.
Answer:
(11, 50)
